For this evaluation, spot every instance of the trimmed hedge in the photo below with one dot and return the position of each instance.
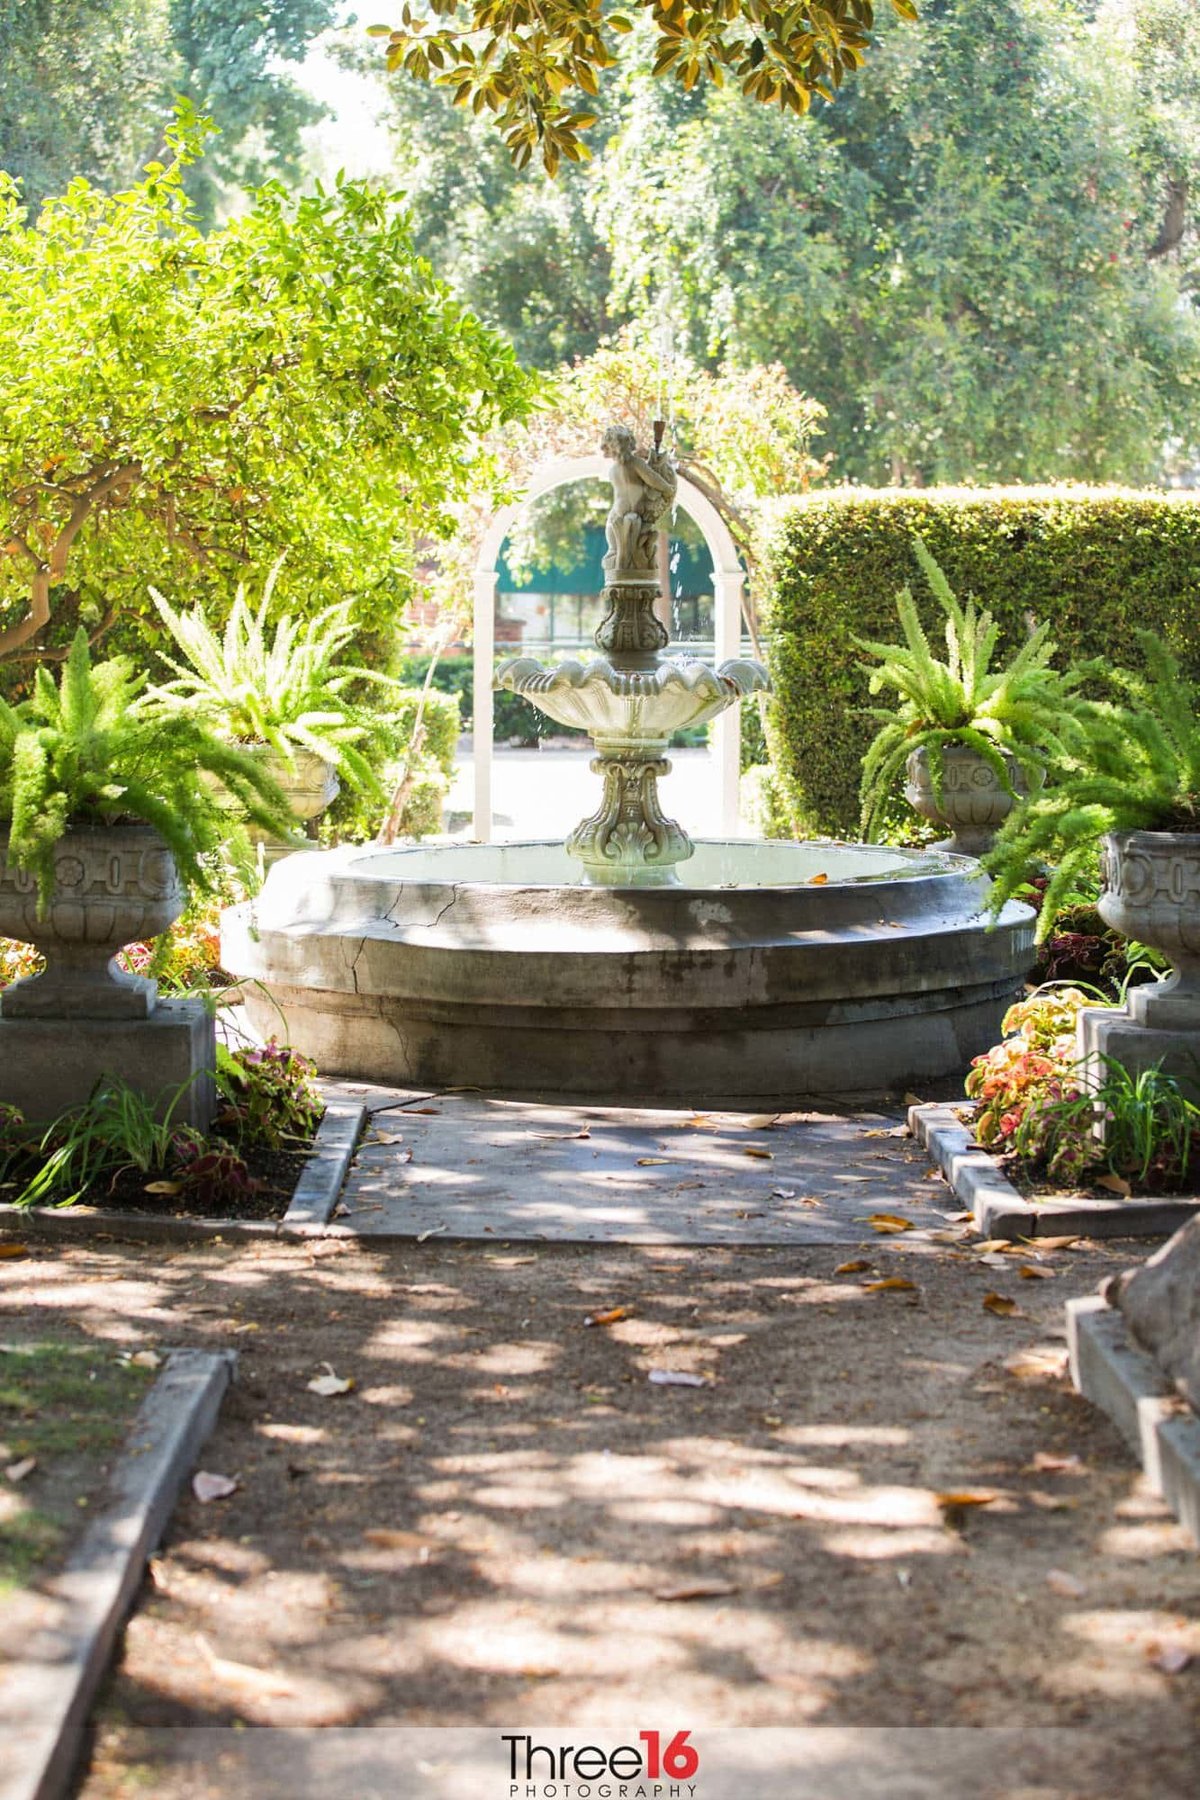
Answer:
(1098, 563)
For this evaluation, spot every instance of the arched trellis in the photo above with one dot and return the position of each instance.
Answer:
(728, 580)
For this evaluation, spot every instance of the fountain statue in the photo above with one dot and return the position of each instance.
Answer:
(632, 698)
(631, 964)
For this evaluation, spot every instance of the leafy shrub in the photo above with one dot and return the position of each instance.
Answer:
(355, 818)
(267, 1095)
(1094, 564)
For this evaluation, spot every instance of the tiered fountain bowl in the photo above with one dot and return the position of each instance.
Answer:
(631, 964)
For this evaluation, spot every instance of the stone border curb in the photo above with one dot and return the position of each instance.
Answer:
(1124, 1381)
(1001, 1212)
(312, 1204)
(45, 1698)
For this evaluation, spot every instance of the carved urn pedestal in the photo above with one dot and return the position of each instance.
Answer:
(84, 1017)
(1151, 892)
(973, 802)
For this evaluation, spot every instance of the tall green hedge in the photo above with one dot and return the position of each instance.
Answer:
(1098, 563)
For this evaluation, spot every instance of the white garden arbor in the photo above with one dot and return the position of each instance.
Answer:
(728, 582)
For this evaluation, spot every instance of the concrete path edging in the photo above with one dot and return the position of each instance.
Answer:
(312, 1205)
(1117, 1375)
(1001, 1212)
(45, 1698)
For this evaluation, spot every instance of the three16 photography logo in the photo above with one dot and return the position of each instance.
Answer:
(661, 1765)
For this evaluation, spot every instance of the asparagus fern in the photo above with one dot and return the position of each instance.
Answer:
(285, 689)
(1015, 710)
(1133, 764)
(98, 749)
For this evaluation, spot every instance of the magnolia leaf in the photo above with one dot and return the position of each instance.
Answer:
(1000, 1304)
(611, 1317)
(676, 1378)
(330, 1383)
(854, 1267)
(887, 1224)
(1115, 1184)
(757, 1150)
(208, 1486)
(19, 1470)
(891, 1284)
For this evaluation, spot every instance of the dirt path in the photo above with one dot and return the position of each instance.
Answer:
(506, 1520)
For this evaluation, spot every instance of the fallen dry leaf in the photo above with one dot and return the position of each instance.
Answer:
(1031, 1272)
(783, 1193)
(163, 1187)
(146, 1359)
(411, 1543)
(958, 1498)
(611, 1317)
(19, 1470)
(1000, 1304)
(387, 1137)
(1052, 1502)
(651, 1162)
(423, 1237)
(431, 1110)
(893, 1284)
(854, 1267)
(1067, 1586)
(761, 1121)
(757, 1150)
(998, 1247)
(911, 1099)
(11, 1252)
(676, 1378)
(1115, 1184)
(1048, 1462)
(329, 1384)
(698, 1590)
(243, 1675)
(817, 880)
(1054, 1243)
(888, 1223)
(1036, 1364)
(206, 1486)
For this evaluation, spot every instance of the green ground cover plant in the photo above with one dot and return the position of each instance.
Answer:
(65, 1408)
(1093, 564)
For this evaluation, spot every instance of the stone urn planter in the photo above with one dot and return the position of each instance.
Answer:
(84, 1019)
(310, 784)
(113, 885)
(974, 803)
(1151, 892)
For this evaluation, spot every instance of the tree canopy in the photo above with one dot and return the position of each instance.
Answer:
(87, 88)
(982, 261)
(536, 68)
(182, 409)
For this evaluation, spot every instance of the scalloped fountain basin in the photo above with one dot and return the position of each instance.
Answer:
(750, 983)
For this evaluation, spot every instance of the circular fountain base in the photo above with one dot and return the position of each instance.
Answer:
(771, 971)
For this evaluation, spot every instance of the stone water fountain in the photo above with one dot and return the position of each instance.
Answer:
(631, 964)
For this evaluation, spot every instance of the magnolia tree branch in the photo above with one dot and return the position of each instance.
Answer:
(47, 572)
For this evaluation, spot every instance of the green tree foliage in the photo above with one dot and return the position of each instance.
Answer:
(182, 409)
(537, 68)
(228, 55)
(87, 88)
(81, 89)
(982, 260)
(962, 260)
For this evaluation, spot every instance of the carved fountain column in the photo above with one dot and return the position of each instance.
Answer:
(632, 698)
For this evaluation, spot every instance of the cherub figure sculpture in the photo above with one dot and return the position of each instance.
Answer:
(644, 488)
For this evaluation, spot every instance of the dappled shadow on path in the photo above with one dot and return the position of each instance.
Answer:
(506, 1520)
